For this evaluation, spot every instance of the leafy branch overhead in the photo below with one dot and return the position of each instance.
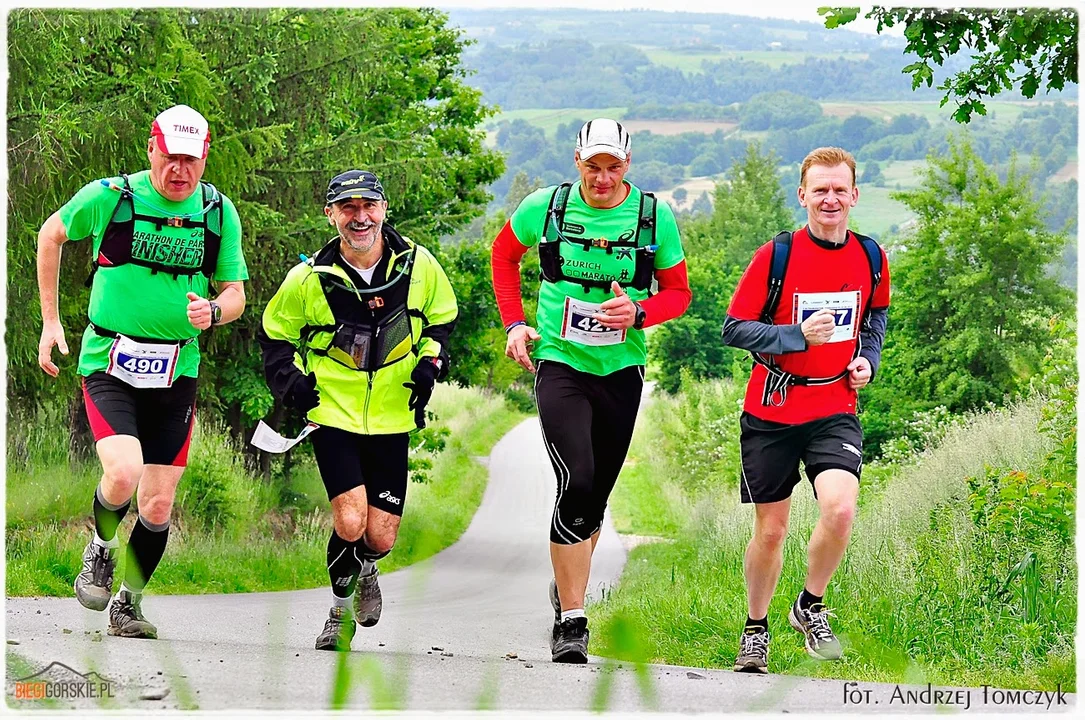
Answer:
(1025, 48)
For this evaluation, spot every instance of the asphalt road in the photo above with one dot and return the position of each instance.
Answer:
(466, 630)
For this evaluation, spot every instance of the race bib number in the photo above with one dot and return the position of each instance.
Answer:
(844, 306)
(579, 326)
(143, 365)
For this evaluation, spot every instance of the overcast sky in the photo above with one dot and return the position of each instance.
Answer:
(786, 9)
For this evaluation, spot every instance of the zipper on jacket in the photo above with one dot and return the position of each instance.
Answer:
(365, 409)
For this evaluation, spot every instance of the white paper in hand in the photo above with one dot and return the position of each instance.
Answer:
(267, 439)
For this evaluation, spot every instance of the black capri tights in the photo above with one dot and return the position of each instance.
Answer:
(587, 423)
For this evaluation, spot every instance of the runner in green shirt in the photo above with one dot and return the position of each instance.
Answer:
(160, 238)
(603, 244)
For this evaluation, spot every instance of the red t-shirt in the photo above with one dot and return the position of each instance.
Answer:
(817, 276)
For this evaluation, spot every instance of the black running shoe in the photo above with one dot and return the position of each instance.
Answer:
(569, 643)
(555, 601)
(338, 630)
(753, 650)
(367, 600)
(126, 617)
(821, 643)
(94, 583)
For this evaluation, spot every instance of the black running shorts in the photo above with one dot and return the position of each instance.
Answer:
(160, 418)
(379, 462)
(771, 453)
(587, 422)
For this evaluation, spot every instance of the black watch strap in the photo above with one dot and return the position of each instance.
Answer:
(216, 313)
(640, 317)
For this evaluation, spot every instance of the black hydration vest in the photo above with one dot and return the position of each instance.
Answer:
(370, 323)
(116, 247)
(641, 241)
(777, 380)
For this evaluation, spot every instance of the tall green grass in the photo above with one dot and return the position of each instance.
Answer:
(229, 531)
(917, 597)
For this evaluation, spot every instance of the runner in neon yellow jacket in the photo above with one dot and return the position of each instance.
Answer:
(364, 402)
(355, 338)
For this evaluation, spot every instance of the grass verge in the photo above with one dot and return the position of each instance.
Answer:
(229, 532)
(913, 600)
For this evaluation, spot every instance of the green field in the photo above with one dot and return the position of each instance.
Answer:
(692, 62)
(1001, 111)
(549, 118)
(876, 212)
(904, 172)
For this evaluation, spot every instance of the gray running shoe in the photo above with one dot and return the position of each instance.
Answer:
(569, 643)
(367, 600)
(821, 643)
(338, 630)
(753, 650)
(555, 601)
(126, 617)
(94, 584)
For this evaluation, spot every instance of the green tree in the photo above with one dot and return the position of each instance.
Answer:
(750, 209)
(872, 174)
(972, 295)
(290, 100)
(1013, 47)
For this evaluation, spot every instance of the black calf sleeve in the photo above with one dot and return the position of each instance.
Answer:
(107, 518)
(145, 548)
(369, 553)
(343, 565)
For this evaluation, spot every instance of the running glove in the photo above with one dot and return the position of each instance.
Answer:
(421, 386)
(302, 393)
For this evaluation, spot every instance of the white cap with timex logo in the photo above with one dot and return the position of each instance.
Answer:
(181, 130)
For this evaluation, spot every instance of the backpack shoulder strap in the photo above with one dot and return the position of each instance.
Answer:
(212, 222)
(555, 213)
(873, 253)
(781, 253)
(647, 224)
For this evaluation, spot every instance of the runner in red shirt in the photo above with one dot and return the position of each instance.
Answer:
(814, 350)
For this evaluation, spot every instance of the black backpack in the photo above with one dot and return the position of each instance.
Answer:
(642, 242)
(778, 380)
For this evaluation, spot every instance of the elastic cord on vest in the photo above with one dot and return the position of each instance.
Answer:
(127, 192)
(404, 270)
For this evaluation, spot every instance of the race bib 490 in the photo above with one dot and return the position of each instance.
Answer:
(579, 326)
(143, 365)
(844, 306)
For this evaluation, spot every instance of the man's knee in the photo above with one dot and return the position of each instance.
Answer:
(120, 476)
(770, 533)
(576, 518)
(839, 516)
(379, 544)
(349, 523)
(156, 508)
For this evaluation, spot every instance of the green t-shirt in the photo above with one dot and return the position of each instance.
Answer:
(134, 300)
(584, 221)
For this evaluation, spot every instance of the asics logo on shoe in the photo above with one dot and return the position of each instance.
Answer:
(851, 448)
(389, 497)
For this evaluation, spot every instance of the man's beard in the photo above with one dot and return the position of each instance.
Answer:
(362, 246)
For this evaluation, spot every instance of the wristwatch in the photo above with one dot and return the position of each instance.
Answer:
(641, 316)
(216, 313)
